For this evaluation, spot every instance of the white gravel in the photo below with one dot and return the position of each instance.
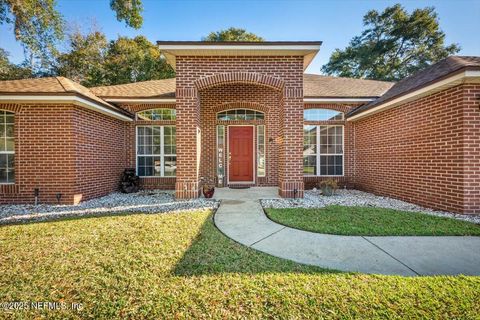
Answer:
(314, 199)
(148, 201)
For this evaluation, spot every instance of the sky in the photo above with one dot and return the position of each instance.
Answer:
(333, 22)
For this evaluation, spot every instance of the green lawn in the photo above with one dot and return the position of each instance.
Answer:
(370, 221)
(179, 265)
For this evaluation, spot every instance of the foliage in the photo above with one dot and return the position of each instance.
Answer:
(394, 45)
(328, 186)
(232, 34)
(169, 265)
(132, 60)
(37, 25)
(368, 221)
(84, 61)
(10, 71)
(129, 11)
(93, 61)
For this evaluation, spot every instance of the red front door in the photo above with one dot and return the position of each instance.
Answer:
(240, 147)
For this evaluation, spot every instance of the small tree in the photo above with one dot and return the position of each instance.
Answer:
(84, 62)
(38, 26)
(10, 71)
(131, 60)
(394, 45)
(232, 34)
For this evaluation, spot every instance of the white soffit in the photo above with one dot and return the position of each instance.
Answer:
(63, 99)
(459, 78)
(337, 100)
(143, 100)
(308, 51)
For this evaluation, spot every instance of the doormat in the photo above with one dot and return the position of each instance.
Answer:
(239, 187)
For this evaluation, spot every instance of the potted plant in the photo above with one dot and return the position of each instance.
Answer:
(208, 191)
(328, 187)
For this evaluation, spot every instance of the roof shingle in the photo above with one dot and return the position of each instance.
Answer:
(314, 86)
(431, 74)
(164, 88)
(48, 85)
(325, 86)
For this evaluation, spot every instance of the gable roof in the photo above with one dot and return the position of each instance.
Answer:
(434, 73)
(164, 88)
(315, 85)
(173, 49)
(53, 86)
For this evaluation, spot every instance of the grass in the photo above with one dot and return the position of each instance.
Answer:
(369, 221)
(180, 266)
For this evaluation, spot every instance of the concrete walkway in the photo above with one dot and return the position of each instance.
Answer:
(241, 218)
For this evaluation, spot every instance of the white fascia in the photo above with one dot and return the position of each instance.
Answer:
(173, 100)
(338, 100)
(64, 99)
(237, 47)
(437, 86)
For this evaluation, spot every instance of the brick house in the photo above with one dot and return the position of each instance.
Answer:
(246, 114)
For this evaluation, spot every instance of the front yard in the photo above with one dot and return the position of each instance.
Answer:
(371, 221)
(179, 265)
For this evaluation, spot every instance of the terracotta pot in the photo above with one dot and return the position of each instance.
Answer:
(208, 193)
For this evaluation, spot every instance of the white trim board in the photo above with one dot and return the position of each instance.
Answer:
(145, 100)
(64, 99)
(239, 47)
(305, 100)
(419, 93)
(339, 100)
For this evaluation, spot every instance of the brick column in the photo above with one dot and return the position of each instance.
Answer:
(188, 142)
(291, 146)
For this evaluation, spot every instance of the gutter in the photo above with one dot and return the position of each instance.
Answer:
(73, 99)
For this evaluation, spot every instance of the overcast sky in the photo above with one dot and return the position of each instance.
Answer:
(333, 22)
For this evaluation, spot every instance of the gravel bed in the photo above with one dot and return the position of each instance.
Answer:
(314, 199)
(149, 201)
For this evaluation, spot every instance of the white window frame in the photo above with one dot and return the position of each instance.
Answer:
(5, 112)
(264, 150)
(318, 153)
(235, 109)
(162, 154)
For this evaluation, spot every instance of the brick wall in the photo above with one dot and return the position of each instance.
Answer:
(61, 149)
(100, 157)
(239, 96)
(425, 151)
(196, 75)
(471, 133)
(44, 154)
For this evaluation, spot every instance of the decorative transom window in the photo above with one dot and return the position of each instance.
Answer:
(157, 114)
(323, 150)
(240, 114)
(7, 147)
(322, 115)
(156, 151)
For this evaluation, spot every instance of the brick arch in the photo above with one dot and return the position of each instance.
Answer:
(239, 77)
(15, 108)
(240, 105)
